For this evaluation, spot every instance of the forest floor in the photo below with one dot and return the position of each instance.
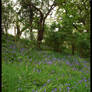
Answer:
(30, 70)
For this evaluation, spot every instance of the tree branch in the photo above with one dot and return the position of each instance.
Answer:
(51, 8)
(36, 8)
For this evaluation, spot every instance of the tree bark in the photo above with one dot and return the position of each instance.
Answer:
(73, 49)
(6, 31)
(18, 32)
(40, 31)
(41, 22)
(31, 20)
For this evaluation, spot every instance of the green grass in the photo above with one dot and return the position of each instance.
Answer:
(31, 70)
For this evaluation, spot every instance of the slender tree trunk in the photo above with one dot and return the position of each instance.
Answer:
(6, 31)
(18, 32)
(73, 49)
(2, 30)
(31, 20)
(15, 33)
(31, 35)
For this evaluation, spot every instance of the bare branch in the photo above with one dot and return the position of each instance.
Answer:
(51, 8)
(31, 4)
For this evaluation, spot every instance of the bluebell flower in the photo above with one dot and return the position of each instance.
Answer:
(30, 60)
(38, 70)
(67, 62)
(19, 89)
(39, 63)
(85, 80)
(48, 81)
(68, 88)
(80, 81)
(34, 69)
(44, 84)
(85, 65)
(49, 62)
(36, 91)
(60, 89)
(33, 90)
(55, 89)
(85, 85)
(74, 68)
(85, 61)
(11, 46)
(86, 71)
(13, 51)
(77, 63)
(45, 90)
(67, 84)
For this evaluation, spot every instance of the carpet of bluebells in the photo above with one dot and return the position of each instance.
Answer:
(30, 70)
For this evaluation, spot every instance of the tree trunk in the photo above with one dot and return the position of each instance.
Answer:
(6, 31)
(18, 32)
(73, 49)
(40, 37)
(40, 32)
(31, 35)
(41, 22)
(31, 20)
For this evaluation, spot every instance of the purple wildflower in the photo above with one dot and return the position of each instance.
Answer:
(19, 89)
(34, 82)
(36, 91)
(33, 90)
(44, 84)
(39, 63)
(68, 89)
(85, 65)
(80, 81)
(85, 61)
(55, 89)
(11, 46)
(45, 90)
(85, 85)
(52, 71)
(85, 80)
(87, 71)
(48, 81)
(76, 62)
(34, 69)
(54, 58)
(30, 60)
(67, 62)
(74, 68)
(13, 51)
(67, 84)
(63, 59)
(59, 89)
(49, 62)
(38, 70)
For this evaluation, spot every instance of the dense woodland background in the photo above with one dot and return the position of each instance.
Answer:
(49, 49)
(69, 31)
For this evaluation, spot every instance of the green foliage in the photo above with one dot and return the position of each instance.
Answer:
(28, 69)
(25, 70)
(84, 45)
